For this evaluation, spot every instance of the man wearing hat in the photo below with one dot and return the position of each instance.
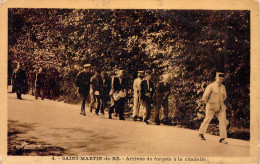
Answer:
(214, 97)
(147, 91)
(137, 95)
(162, 93)
(83, 84)
(119, 93)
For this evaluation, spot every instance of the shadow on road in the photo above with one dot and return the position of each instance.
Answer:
(18, 99)
(64, 141)
(18, 145)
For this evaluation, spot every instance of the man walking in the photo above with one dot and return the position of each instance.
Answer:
(147, 91)
(112, 101)
(31, 79)
(96, 86)
(19, 80)
(106, 86)
(214, 97)
(119, 92)
(137, 95)
(39, 84)
(83, 84)
(162, 93)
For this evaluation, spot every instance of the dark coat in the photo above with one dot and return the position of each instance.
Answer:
(116, 86)
(145, 89)
(40, 79)
(96, 82)
(106, 86)
(83, 82)
(19, 80)
(162, 91)
(19, 77)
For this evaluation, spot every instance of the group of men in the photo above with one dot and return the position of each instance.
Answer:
(22, 84)
(100, 88)
(145, 94)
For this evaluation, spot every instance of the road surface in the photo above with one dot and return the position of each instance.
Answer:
(58, 129)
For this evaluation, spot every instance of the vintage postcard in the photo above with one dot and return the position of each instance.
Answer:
(109, 81)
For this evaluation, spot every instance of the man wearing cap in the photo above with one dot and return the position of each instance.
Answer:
(147, 91)
(119, 92)
(96, 86)
(162, 93)
(137, 94)
(83, 84)
(214, 97)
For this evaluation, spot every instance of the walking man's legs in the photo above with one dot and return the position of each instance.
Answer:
(165, 111)
(104, 104)
(135, 108)
(98, 104)
(92, 103)
(157, 111)
(206, 121)
(147, 104)
(83, 112)
(19, 93)
(221, 115)
(120, 108)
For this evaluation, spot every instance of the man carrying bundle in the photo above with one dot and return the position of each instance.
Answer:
(119, 92)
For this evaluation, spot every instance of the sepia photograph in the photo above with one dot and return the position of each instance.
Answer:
(129, 85)
(101, 82)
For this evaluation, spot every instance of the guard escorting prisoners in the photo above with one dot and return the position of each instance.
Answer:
(214, 97)
(83, 84)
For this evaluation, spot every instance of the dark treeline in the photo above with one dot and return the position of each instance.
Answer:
(191, 45)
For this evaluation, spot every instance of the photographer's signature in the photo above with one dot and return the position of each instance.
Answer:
(25, 145)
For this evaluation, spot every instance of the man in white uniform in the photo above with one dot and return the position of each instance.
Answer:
(137, 94)
(214, 97)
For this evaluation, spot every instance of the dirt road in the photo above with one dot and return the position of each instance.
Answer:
(58, 129)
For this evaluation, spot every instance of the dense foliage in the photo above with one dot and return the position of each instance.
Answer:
(191, 45)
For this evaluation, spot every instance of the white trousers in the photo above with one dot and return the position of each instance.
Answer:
(221, 115)
(137, 104)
